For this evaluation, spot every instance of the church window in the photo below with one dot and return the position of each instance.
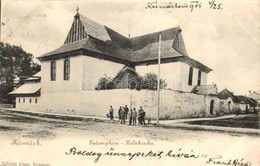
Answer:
(190, 76)
(199, 78)
(67, 69)
(53, 70)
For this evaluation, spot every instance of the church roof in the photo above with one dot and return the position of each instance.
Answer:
(125, 70)
(170, 37)
(95, 29)
(93, 39)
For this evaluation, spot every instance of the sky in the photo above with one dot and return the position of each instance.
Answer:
(227, 40)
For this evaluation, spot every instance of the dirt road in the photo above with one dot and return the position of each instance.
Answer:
(56, 137)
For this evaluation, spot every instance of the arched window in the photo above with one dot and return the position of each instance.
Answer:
(199, 78)
(53, 70)
(190, 76)
(67, 69)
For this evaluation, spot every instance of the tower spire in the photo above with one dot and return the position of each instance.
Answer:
(77, 9)
(77, 15)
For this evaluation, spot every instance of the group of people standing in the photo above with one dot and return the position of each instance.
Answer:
(132, 115)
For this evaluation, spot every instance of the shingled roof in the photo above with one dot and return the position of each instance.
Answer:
(171, 37)
(225, 94)
(93, 39)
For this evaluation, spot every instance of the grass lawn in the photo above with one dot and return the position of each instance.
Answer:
(239, 122)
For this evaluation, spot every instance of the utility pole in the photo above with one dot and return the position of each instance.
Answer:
(158, 81)
(0, 19)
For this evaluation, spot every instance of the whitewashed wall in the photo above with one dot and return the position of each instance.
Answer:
(23, 103)
(224, 105)
(204, 77)
(60, 85)
(185, 77)
(94, 68)
(170, 72)
(96, 103)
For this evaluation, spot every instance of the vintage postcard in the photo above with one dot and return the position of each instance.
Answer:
(174, 82)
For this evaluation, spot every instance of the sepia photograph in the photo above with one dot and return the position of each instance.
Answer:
(106, 82)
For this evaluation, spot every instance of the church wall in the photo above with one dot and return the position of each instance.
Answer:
(185, 77)
(60, 85)
(170, 72)
(84, 74)
(175, 74)
(203, 78)
(94, 69)
(195, 77)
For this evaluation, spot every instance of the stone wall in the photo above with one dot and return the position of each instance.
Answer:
(173, 104)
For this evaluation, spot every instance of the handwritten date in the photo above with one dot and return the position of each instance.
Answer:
(214, 5)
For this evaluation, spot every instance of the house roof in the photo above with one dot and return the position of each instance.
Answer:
(251, 102)
(254, 95)
(225, 94)
(88, 35)
(246, 100)
(27, 89)
(242, 99)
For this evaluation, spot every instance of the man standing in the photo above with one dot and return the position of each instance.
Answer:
(119, 112)
(134, 117)
(130, 115)
(122, 113)
(143, 117)
(139, 116)
(126, 111)
(111, 113)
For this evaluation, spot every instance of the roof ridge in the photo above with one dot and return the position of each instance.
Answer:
(156, 32)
